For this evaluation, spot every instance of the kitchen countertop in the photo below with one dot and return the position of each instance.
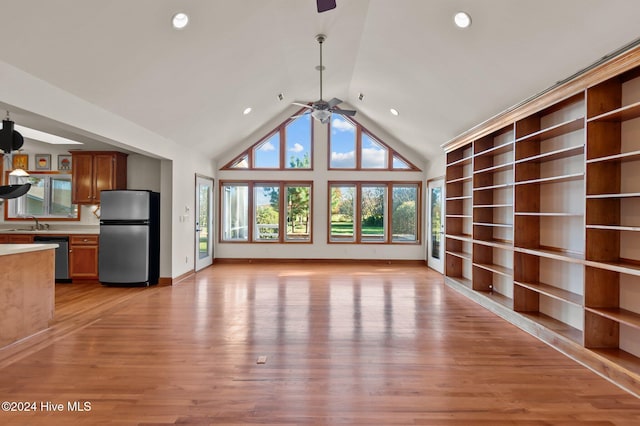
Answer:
(7, 249)
(56, 230)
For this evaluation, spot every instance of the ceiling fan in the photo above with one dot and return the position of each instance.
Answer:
(324, 5)
(321, 110)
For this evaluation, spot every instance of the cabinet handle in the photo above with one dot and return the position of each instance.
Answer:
(85, 240)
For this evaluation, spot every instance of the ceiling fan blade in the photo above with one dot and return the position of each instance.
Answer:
(324, 5)
(302, 105)
(301, 115)
(347, 112)
(333, 102)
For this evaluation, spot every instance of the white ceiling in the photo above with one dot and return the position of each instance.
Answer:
(191, 86)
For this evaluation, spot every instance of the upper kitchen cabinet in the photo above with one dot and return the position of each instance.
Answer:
(94, 171)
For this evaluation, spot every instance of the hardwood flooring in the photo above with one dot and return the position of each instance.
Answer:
(344, 344)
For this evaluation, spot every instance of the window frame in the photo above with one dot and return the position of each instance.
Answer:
(388, 210)
(251, 211)
(10, 205)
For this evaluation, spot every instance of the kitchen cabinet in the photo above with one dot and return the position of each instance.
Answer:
(83, 256)
(94, 171)
(16, 239)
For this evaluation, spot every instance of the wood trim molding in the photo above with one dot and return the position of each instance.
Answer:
(177, 279)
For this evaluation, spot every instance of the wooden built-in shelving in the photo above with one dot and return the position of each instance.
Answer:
(551, 223)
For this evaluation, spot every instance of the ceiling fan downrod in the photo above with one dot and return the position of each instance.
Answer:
(321, 38)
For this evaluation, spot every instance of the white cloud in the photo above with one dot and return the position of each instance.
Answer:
(342, 125)
(373, 157)
(343, 159)
(267, 146)
(296, 148)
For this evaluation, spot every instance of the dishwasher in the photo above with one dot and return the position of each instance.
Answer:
(61, 256)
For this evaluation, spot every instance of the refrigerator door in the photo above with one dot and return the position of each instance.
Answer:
(123, 255)
(124, 205)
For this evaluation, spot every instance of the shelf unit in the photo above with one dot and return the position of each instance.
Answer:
(553, 231)
(458, 220)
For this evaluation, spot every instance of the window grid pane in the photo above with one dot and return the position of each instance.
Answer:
(267, 154)
(266, 199)
(298, 212)
(298, 143)
(235, 213)
(372, 215)
(374, 154)
(404, 215)
(343, 212)
(343, 144)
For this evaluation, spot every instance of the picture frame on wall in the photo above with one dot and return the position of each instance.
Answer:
(64, 163)
(20, 161)
(43, 161)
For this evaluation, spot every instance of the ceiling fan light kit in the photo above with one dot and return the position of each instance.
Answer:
(322, 110)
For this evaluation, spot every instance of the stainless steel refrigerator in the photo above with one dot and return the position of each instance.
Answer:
(129, 248)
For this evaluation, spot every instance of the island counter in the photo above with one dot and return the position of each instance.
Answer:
(27, 290)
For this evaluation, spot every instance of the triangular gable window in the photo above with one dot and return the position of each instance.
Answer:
(289, 146)
(352, 147)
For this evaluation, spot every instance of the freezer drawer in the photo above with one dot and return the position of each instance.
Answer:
(123, 255)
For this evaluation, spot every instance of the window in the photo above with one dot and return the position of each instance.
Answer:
(353, 147)
(48, 198)
(273, 207)
(235, 216)
(383, 212)
(343, 199)
(288, 147)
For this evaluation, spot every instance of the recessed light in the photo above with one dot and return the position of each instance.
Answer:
(394, 111)
(246, 110)
(180, 20)
(462, 20)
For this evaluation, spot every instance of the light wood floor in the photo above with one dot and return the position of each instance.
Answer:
(345, 344)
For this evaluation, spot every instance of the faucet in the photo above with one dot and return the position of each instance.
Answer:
(38, 225)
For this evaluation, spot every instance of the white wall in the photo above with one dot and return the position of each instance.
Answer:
(29, 96)
(320, 175)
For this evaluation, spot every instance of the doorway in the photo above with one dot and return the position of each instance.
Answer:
(204, 222)
(435, 226)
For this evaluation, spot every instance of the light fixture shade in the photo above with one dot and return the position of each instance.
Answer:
(19, 173)
(322, 115)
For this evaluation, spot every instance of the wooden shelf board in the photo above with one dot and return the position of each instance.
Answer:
(495, 225)
(495, 150)
(464, 281)
(553, 292)
(463, 216)
(461, 197)
(554, 131)
(499, 186)
(498, 269)
(549, 214)
(459, 180)
(622, 157)
(555, 325)
(571, 151)
(491, 206)
(501, 244)
(615, 227)
(460, 254)
(620, 358)
(459, 237)
(551, 253)
(616, 195)
(619, 266)
(498, 298)
(495, 169)
(552, 179)
(620, 315)
(460, 162)
(625, 113)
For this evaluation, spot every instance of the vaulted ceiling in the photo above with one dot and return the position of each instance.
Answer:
(192, 85)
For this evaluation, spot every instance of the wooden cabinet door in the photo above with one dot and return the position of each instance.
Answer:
(104, 173)
(83, 257)
(82, 179)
